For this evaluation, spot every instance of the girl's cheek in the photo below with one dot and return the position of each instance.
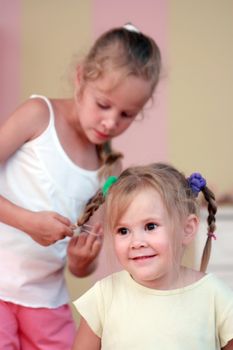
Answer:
(119, 245)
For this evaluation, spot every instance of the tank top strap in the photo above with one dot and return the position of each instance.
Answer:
(49, 104)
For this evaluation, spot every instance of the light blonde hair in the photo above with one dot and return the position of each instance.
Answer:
(173, 187)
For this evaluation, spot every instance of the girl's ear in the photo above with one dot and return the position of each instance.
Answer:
(190, 229)
(78, 80)
(79, 73)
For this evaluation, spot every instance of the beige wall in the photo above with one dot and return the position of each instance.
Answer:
(201, 85)
(53, 32)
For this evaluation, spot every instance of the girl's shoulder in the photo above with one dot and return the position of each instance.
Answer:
(43, 110)
(28, 120)
(39, 105)
(32, 108)
(190, 277)
(111, 282)
(37, 112)
(222, 289)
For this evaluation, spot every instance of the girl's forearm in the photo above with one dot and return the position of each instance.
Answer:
(13, 215)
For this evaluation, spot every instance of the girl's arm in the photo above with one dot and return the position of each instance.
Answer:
(86, 339)
(44, 227)
(26, 123)
(229, 345)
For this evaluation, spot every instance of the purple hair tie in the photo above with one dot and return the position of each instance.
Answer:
(196, 183)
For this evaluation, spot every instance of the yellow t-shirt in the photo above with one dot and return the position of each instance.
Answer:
(129, 316)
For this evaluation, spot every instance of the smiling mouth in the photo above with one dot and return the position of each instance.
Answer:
(145, 257)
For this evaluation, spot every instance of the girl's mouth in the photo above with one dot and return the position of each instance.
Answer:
(101, 135)
(144, 257)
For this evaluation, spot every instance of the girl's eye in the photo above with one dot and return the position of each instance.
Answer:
(151, 226)
(102, 106)
(126, 115)
(122, 231)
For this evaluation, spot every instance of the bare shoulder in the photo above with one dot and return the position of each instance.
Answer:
(35, 114)
(26, 123)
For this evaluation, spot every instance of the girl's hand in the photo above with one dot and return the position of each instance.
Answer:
(47, 227)
(83, 250)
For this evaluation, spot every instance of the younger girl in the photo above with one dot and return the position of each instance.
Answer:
(52, 153)
(155, 302)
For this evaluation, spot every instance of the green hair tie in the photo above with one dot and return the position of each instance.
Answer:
(108, 183)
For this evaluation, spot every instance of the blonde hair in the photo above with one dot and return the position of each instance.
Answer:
(121, 49)
(172, 186)
(129, 52)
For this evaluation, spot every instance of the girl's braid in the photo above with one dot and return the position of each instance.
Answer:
(212, 209)
(109, 158)
(93, 204)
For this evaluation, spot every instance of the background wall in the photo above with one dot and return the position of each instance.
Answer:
(10, 56)
(53, 32)
(189, 123)
(200, 88)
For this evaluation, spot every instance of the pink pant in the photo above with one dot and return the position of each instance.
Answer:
(25, 328)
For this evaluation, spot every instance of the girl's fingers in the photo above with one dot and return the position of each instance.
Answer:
(63, 219)
(73, 241)
(98, 230)
(96, 247)
(82, 238)
(69, 232)
(90, 240)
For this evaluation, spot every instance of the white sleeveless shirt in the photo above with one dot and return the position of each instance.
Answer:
(40, 176)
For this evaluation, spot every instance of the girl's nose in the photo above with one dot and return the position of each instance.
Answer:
(138, 241)
(110, 122)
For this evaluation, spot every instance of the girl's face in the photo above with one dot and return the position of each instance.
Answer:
(106, 109)
(143, 243)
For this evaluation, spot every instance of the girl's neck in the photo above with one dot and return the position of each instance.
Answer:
(78, 148)
(181, 278)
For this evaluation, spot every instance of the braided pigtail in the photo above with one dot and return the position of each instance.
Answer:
(93, 204)
(198, 184)
(109, 158)
(212, 209)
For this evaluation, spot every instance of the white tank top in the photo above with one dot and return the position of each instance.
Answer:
(40, 176)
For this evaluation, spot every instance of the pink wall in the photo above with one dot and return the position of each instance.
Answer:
(151, 18)
(9, 56)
